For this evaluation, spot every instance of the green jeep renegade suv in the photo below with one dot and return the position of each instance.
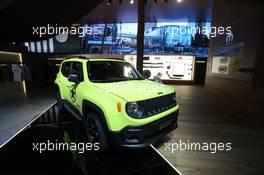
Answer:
(116, 104)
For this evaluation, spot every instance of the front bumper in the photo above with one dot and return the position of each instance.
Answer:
(142, 136)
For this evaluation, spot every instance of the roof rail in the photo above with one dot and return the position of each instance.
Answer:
(121, 59)
(81, 57)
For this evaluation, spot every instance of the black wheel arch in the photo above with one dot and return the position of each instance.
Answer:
(56, 87)
(88, 106)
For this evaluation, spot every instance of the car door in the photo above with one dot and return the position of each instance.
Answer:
(77, 69)
(64, 83)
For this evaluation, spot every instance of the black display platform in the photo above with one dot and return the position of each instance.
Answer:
(18, 156)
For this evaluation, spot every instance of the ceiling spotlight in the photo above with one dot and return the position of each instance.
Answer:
(109, 2)
(131, 2)
(179, 1)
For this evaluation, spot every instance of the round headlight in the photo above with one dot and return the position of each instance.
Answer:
(134, 110)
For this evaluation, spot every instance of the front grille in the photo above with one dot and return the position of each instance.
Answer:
(157, 105)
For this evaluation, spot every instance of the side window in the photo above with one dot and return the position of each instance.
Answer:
(65, 70)
(77, 69)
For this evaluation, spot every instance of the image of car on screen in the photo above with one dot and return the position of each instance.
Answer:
(117, 105)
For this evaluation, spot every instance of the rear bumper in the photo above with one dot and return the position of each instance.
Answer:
(142, 136)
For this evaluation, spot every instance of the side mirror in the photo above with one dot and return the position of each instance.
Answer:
(73, 78)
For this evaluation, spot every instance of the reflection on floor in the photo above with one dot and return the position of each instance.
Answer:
(199, 121)
(18, 157)
(17, 113)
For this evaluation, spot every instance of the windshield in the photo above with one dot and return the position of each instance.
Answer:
(112, 71)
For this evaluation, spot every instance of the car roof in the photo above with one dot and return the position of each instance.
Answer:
(92, 59)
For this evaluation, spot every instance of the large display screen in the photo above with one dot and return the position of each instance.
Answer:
(160, 38)
(166, 67)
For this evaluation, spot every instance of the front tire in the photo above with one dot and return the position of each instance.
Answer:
(95, 131)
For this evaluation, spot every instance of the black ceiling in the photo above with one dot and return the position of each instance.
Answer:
(161, 11)
(17, 17)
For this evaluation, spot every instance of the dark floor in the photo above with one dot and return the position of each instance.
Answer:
(16, 113)
(18, 157)
(201, 121)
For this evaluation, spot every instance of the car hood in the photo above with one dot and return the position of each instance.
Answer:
(135, 90)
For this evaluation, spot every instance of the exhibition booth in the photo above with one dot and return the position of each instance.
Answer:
(61, 70)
